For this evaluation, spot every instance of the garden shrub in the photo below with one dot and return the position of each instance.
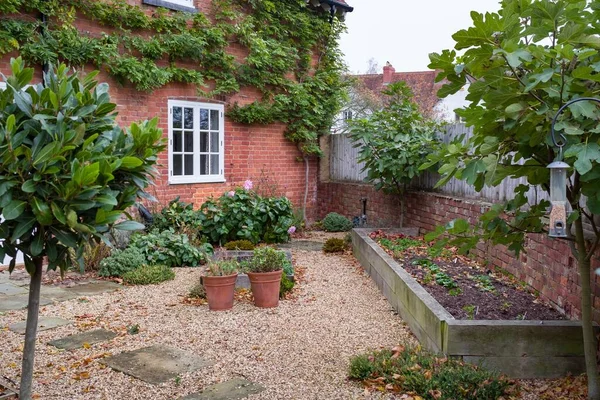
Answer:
(121, 262)
(170, 249)
(267, 259)
(243, 214)
(334, 222)
(197, 291)
(285, 286)
(179, 217)
(406, 369)
(334, 245)
(93, 254)
(239, 245)
(149, 275)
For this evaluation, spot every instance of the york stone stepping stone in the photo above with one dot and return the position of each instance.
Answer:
(156, 364)
(58, 293)
(303, 245)
(234, 389)
(44, 323)
(93, 288)
(77, 341)
(9, 289)
(18, 302)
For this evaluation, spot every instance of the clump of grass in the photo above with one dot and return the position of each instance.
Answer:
(334, 245)
(197, 291)
(406, 369)
(148, 275)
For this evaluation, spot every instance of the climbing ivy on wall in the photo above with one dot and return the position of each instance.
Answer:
(292, 53)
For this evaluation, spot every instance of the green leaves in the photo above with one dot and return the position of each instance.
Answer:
(58, 188)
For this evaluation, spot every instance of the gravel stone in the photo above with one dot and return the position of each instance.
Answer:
(299, 350)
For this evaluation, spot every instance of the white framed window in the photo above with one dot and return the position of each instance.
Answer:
(2, 85)
(196, 138)
(347, 115)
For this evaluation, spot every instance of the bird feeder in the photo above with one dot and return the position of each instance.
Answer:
(558, 199)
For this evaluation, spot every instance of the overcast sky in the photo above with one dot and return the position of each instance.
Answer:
(404, 32)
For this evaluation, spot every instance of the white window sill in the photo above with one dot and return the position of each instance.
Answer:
(183, 181)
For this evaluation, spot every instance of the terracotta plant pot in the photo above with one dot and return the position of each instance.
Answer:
(265, 288)
(219, 291)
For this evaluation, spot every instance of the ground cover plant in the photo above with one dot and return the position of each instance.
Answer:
(419, 375)
(149, 275)
(120, 262)
(464, 287)
(334, 222)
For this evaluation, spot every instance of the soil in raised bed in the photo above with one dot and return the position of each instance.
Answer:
(472, 291)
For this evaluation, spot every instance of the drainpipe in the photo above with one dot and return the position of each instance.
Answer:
(44, 19)
(363, 217)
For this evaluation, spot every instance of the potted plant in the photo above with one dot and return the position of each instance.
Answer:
(219, 283)
(264, 271)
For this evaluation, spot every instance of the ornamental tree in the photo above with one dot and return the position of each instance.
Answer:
(393, 142)
(525, 62)
(67, 174)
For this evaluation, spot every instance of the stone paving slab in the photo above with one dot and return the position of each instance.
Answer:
(58, 293)
(156, 364)
(44, 323)
(8, 289)
(93, 288)
(234, 389)
(307, 245)
(77, 341)
(18, 302)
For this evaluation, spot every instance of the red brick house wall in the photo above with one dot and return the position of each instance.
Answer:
(251, 152)
(547, 265)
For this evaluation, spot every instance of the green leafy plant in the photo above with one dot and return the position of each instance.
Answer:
(170, 249)
(121, 262)
(394, 141)
(484, 283)
(239, 245)
(181, 218)
(267, 259)
(197, 291)
(93, 255)
(470, 309)
(222, 268)
(405, 369)
(285, 286)
(400, 244)
(334, 245)
(67, 173)
(149, 275)
(243, 214)
(334, 222)
(523, 63)
(436, 273)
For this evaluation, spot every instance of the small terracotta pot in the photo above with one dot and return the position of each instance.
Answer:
(219, 291)
(265, 288)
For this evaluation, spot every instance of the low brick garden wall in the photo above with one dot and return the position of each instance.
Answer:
(547, 265)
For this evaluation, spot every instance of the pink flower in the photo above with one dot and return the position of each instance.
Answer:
(248, 185)
(231, 193)
(291, 229)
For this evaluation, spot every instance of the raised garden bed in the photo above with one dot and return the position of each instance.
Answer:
(518, 348)
(242, 279)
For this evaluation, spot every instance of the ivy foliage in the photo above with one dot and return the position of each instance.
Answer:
(281, 40)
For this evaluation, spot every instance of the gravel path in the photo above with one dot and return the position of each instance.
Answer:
(299, 350)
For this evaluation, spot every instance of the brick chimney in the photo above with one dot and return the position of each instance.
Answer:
(388, 73)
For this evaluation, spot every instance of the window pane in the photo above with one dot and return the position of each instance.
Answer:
(177, 145)
(214, 142)
(188, 118)
(177, 164)
(204, 142)
(214, 164)
(214, 120)
(188, 137)
(203, 164)
(203, 118)
(177, 117)
(189, 164)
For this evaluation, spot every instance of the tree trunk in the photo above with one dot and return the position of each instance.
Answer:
(589, 339)
(33, 309)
